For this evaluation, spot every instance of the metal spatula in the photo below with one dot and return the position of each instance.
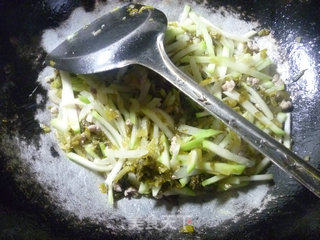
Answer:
(121, 38)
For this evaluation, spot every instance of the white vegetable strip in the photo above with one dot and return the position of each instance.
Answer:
(119, 122)
(150, 114)
(202, 28)
(105, 161)
(176, 46)
(189, 28)
(144, 188)
(185, 13)
(182, 172)
(209, 69)
(186, 69)
(106, 132)
(194, 156)
(111, 176)
(171, 34)
(155, 190)
(88, 164)
(155, 132)
(85, 111)
(230, 63)
(212, 180)
(183, 37)
(59, 125)
(222, 152)
(108, 126)
(220, 31)
(67, 96)
(195, 70)
(262, 177)
(195, 20)
(184, 181)
(121, 127)
(262, 65)
(215, 90)
(87, 95)
(255, 112)
(187, 50)
(122, 153)
(202, 114)
(72, 104)
(222, 69)
(89, 148)
(174, 150)
(117, 167)
(225, 142)
(258, 100)
(250, 34)
(262, 165)
(282, 117)
(240, 67)
(134, 135)
(183, 157)
(165, 155)
(168, 119)
(186, 129)
(53, 97)
(208, 40)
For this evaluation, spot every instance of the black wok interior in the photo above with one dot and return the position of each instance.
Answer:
(26, 210)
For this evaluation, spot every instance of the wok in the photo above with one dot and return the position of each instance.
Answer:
(45, 196)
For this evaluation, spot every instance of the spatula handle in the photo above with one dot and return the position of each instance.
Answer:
(278, 153)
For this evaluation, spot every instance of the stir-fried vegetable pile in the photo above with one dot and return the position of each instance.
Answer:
(147, 138)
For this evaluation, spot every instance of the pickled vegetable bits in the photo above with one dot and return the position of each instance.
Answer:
(146, 138)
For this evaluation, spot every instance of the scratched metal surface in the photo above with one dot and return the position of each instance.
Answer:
(272, 209)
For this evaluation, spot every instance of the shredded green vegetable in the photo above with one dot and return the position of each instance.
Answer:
(144, 135)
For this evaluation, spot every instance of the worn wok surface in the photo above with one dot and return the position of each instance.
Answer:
(29, 211)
